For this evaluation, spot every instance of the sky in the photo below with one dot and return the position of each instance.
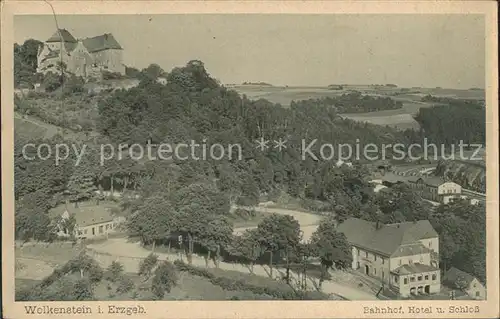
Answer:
(310, 50)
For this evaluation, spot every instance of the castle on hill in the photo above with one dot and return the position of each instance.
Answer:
(88, 57)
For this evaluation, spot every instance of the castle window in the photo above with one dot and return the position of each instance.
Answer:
(366, 254)
(406, 281)
(382, 261)
(419, 278)
(375, 256)
(412, 279)
(434, 276)
(426, 277)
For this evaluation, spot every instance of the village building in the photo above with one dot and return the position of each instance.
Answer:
(92, 220)
(88, 57)
(432, 188)
(458, 279)
(403, 256)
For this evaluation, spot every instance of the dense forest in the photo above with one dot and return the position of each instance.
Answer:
(353, 102)
(454, 121)
(193, 198)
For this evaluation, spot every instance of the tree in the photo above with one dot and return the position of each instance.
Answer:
(279, 233)
(66, 225)
(125, 285)
(461, 283)
(81, 184)
(86, 266)
(154, 220)
(25, 61)
(83, 289)
(151, 73)
(196, 204)
(331, 247)
(114, 271)
(216, 235)
(164, 279)
(247, 247)
(31, 223)
(147, 265)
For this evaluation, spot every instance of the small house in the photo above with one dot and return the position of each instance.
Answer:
(458, 279)
(92, 220)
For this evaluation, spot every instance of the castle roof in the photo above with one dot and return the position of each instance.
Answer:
(66, 36)
(101, 42)
(387, 239)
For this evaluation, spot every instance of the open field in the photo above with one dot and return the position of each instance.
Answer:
(400, 119)
(55, 254)
(284, 95)
(32, 268)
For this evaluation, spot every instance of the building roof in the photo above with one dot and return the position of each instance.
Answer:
(410, 250)
(415, 268)
(387, 238)
(434, 181)
(451, 276)
(101, 42)
(66, 36)
(86, 214)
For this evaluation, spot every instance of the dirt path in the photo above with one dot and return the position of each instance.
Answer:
(130, 254)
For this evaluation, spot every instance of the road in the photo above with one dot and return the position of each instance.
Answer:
(308, 222)
(130, 254)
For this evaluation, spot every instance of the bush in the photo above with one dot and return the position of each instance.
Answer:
(52, 81)
(125, 285)
(114, 271)
(74, 84)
